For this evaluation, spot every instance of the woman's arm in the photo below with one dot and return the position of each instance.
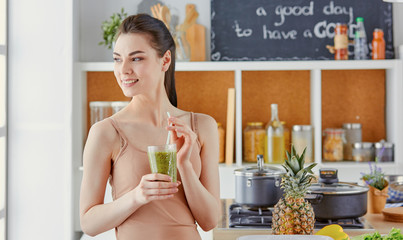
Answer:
(103, 144)
(203, 195)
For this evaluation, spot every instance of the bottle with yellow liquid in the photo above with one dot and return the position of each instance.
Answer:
(274, 140)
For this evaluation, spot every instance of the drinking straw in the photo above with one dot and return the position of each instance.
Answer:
(169, 132)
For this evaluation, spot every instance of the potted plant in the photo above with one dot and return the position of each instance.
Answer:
(110, 28)
(378, 187)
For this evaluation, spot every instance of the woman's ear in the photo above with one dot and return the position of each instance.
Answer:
(166, 60)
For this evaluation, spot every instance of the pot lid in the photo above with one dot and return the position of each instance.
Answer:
(337, 188)
(256, 171)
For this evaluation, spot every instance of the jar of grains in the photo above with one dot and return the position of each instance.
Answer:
(221, 142)
(253, 136)
(333, 144)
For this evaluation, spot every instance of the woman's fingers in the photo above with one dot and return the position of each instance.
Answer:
(157, 177)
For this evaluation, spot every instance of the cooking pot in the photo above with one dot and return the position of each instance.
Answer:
(337, 200)
(258, 186)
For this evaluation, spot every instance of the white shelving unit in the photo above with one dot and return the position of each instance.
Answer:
(394, 112)
(348, 171)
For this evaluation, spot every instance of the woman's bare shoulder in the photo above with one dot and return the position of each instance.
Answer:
(103, 131)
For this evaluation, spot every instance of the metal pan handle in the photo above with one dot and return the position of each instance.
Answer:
(314, 198)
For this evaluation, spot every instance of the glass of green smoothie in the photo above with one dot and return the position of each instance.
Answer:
(163, 159)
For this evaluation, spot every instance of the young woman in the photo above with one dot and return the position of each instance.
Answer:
(149, 206)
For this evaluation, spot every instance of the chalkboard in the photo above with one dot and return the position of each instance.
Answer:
(264, 30)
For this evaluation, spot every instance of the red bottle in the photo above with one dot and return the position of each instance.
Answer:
(341, 42)
(378, 44)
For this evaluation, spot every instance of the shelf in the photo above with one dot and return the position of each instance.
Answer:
(262, 65)
(393, 86)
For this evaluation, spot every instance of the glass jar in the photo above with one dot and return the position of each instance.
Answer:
(333, 144)
(353, 135)
(363, 152)
(182, 53)
(100, 110)
(253, 136)
(118, 105)
(302, 137)
(384, 151)
(340, 42)
(221, 142)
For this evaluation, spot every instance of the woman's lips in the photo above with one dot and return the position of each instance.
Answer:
(129, 82)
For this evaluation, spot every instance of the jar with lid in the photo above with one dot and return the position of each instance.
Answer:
(118, 105)
(333, 144)
(221, 142)
(302, 137)
(100, 110)
(353, 135)
(363, 152)
(253, 135)
(384, 151)
(341, 42)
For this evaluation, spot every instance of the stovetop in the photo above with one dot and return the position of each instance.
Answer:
(242, 216)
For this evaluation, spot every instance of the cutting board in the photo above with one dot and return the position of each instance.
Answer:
(393, 214)
(196, 36)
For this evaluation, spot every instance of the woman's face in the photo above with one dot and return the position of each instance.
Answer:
(137, 67)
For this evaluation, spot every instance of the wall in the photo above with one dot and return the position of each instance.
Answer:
(91, 33)
(40, 96)
(41, 54)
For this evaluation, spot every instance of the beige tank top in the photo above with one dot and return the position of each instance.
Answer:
(165, 219)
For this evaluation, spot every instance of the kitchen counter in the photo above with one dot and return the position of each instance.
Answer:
(373, 222)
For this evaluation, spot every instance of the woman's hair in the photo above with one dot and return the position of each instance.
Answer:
(160, 39)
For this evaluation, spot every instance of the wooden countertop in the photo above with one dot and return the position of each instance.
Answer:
(373, 222)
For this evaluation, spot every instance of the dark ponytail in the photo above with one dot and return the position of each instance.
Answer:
(161, 41)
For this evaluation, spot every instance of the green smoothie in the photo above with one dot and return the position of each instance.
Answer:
(163, 161)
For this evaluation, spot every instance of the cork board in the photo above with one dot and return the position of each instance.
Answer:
(355, 96)
(347, 96)
(205, 92)
(289, 89)
(102, 86)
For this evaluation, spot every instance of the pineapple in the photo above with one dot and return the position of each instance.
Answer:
(293, 214)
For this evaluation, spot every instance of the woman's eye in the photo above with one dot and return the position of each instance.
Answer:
(116, 59)
(136, 59)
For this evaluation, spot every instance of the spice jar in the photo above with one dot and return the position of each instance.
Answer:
(302, 137)
(384, 151)
(100, 110)
(363, 152)
(353, 135)
(254, 135)
(340, 42)
(333, 144)
(378, 44)
(221, 142)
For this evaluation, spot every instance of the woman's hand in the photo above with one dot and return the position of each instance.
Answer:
(155, 186)
(183, 137)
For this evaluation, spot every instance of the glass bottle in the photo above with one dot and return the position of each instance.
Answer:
(378, 44)
(341, 42)
(182, 46)
(274, 147)
(360, 41)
